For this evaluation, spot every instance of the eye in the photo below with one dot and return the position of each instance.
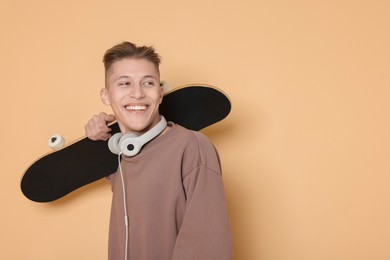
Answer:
(124, 83)
(149, 83)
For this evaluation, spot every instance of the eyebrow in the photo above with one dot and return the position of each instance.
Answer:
(122, 77)
(148, 76)
(126, 77)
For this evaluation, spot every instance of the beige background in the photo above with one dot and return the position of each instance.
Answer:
(305, 150)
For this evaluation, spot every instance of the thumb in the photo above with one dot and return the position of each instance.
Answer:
(109, 118)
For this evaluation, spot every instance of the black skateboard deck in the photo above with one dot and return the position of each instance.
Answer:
(84, 161)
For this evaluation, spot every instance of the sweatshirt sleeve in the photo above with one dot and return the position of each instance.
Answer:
(205, 232)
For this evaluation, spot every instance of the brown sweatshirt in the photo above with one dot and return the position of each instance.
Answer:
(175, 201)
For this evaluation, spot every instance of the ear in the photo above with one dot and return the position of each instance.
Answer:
(161, 93)
(104, 96)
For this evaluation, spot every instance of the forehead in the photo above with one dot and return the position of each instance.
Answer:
(132, 68)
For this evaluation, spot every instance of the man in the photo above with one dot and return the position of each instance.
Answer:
(172, 190)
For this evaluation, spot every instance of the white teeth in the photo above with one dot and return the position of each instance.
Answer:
(136, 108)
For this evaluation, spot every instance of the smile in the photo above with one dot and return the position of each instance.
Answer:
(136, 107)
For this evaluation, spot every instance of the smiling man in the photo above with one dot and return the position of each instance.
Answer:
(171, 193)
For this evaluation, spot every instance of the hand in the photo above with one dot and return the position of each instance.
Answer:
(97, 129)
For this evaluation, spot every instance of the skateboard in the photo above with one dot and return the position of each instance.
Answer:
(62, 171)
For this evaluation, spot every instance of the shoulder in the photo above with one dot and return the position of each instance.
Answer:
(192, 139)
(199, 150)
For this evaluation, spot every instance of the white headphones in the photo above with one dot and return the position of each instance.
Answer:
(131, 144)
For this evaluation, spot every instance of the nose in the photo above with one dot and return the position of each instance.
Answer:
(137, 91)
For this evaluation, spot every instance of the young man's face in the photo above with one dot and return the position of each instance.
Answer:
(134, 93)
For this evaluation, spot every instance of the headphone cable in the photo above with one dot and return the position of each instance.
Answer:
(124, 205)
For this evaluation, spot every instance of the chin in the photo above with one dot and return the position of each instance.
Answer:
(139, 128)
(137, 125)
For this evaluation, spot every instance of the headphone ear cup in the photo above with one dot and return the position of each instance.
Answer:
(129, 144)
(113, 143)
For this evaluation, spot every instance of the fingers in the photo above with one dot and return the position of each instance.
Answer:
(109, 118)
(97, 129)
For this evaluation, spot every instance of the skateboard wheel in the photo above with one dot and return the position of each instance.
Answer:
(56, 141)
